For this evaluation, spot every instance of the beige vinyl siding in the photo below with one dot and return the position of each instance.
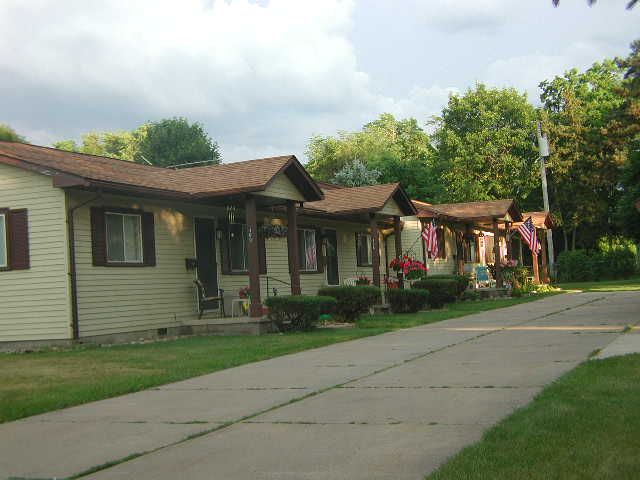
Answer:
(35, 303)
(437, 266)
(282, 187)
(391, 208)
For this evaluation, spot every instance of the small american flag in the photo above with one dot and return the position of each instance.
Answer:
(430, 236)
(528, 232)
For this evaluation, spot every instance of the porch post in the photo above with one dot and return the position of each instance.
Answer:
(507, 226)
(496, 252)
(398, 238)
(375, 247)
(255, 309)
(292, 244)
(542, 238)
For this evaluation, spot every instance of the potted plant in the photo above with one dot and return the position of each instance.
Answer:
(409, 267)
(363, 280)
(244, 292)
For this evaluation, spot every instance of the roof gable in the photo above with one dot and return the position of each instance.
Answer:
(371, 198)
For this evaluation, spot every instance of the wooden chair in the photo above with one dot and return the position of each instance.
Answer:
(203, 299)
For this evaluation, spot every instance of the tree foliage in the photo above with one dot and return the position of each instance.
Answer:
(8, 134)
(168, 142)
(356, 174)
(484, 148)
(398, 149)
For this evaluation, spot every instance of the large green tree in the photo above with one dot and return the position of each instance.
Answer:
(8, 134)
(398, 149)
(165, 143)
(484, 148)
(585, 162)
(175, 141)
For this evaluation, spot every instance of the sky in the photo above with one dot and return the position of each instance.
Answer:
(264, 76)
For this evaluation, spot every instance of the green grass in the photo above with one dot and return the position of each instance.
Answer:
(38, 382)
(632, 284)
(584, 426)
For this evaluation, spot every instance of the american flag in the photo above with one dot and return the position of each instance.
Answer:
(528, 232)
(431, 239)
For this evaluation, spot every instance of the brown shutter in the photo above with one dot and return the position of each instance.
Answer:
(98, 237)
(223, 226)
(319, 251)
(18, 239)
(262, 253)
(148, 239)
(442, 245)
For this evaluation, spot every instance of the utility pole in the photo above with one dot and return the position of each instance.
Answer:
(543, 149)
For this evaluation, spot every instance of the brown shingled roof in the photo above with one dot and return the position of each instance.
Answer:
(346, 201)
(197, 182)
(470, 211)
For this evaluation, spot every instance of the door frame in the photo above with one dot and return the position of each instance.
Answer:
(216, 257)
(337, 259)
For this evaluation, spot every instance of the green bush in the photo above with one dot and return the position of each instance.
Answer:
(407, 301)
(352, 300)
(298, 312)
(441, 290)
(583, 266)
(462, 281)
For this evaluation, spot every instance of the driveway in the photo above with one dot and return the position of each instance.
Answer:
(394, 406)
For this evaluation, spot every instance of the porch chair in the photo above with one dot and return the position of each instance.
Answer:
(203, 299)
(482, 277)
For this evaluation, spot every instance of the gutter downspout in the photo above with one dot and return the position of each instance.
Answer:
(75, 325)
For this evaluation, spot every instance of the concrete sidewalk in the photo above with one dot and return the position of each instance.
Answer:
(390, 406)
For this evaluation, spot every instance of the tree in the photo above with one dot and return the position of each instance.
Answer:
(484, 148)
(630, 4)
(356, 174)
(120, 144)
(174, 141)
(585, 162)
(399, 149)
(8, 134)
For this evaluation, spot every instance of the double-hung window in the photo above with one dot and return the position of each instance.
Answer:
(4, 242)
(124, 237)
(307, 250)
(364, 250)
(238, 251)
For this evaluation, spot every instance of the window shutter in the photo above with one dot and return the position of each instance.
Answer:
(262, 252)
(442, 246)
(225, 266)
(319, 251)
(148, 239)
(358, 251)
(98, 237)
(18, 239)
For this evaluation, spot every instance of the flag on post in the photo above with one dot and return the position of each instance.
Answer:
(528, 232)
(430, 236)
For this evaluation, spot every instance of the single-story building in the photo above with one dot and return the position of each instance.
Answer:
(99, 249)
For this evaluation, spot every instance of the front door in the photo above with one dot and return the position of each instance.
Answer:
(333, 275)
(206, 256)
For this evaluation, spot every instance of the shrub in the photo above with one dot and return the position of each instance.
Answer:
(407, 301)
(441, 290)
(581, 266)
(298, 312)
(352, 300)
(462, 281)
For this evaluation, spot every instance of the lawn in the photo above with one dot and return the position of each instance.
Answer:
(604, 286)
(38, 382)
(584, 426)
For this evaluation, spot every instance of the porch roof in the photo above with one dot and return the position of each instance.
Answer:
(340, 200)
(540, 219)
(70, 169)
(476, 212)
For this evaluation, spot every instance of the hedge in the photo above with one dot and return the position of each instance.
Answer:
(352, 300)
(581, 266)
(407, 301)
(298, 312)
(462, 281)
(441, 290)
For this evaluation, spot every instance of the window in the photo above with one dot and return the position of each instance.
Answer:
(364, 249)
(307, 252)
(4, 251)
(124, 237)
(238, 252)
